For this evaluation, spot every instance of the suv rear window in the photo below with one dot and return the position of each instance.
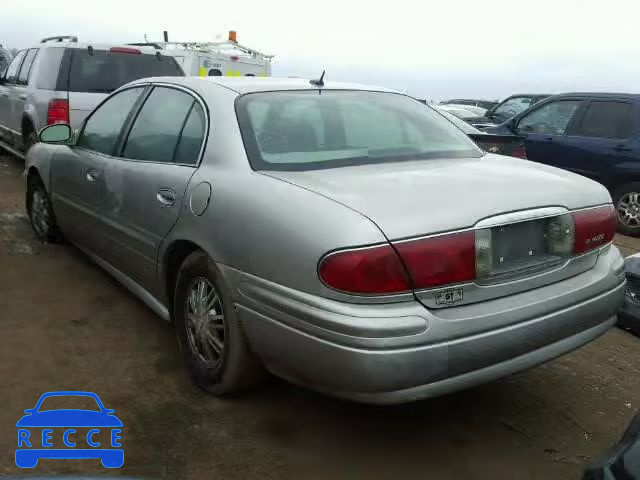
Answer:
(103, 71)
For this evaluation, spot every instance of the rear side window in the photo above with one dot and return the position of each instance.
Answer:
(48, 68)
(605, 119)
(103, 127)
(188, 149)
(156, 131)
(14, 66)
(103, 72)
(25, 70)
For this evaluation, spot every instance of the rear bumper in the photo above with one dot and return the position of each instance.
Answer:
(438, 351)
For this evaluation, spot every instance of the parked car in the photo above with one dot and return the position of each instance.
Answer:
(62, 80)
(354, 242)
(475, 111)
(594, 134)
(511, 145)
(486, 104)
(510, 107)
(629, 317)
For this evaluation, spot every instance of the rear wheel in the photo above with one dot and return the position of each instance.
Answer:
(209, 332)
(29, 139)
(627, 202)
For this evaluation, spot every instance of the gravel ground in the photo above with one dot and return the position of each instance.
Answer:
(66, 325)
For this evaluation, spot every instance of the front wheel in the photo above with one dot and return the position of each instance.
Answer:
(627, 202)
(209, 331)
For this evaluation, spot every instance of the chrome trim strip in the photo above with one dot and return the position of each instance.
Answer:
(520, 216)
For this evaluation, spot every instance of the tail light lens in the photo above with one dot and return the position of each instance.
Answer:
(440, 260)
(519, 152)
(58, 111)
(374, 270)
(593, 228)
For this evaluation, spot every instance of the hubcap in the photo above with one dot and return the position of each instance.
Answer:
(40, 212)
(205, 321)
(629, 209)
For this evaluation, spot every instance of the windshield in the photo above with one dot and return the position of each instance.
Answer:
(103, 72)
(513, 106)
(65, 402)
(311, 129)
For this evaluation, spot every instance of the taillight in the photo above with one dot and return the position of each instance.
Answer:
(440, 260)
(593, 228)
(373, 270)
(519, 152)
(58, 111)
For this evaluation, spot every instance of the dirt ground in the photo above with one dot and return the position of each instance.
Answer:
(66, 325)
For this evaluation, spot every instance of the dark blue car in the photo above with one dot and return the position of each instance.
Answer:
(35, 431)
(594, 134)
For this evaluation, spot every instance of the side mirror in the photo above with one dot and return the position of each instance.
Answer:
(511, 124)
(56, 133)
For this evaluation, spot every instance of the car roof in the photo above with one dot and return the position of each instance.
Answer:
(597, 94)
(242, 85)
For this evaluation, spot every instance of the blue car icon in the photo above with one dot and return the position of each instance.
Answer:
(68, 418)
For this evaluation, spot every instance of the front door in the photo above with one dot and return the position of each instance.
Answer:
(145, 186)
(543, 130)
(78, 171)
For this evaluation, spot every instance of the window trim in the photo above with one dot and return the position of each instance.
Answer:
(587, 103)
(33, 60)
(578, 114)
(129, 125)
(134, 108)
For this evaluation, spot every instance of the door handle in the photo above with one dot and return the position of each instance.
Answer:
(23, 96)
(166, 197)
(92, 175)
(622, 148)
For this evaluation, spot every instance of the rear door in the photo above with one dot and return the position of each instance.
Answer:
(544, 128)
(6, 93)
(18, 96)
(78, 171)
(93, 74)
(601, 138)
(146, 184)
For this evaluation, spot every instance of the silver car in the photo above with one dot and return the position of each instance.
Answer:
(346, 238)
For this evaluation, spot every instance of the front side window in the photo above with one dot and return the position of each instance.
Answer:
(25, 70)
(12, 70)
(606, 119)
(103, 127)
(551, 118)
(513, 106)
(157, 129)
(302, 130)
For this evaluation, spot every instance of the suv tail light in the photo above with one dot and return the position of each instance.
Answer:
(519, 152)
(373, 270)
(593, 228)
(457, 257)
(58, 111)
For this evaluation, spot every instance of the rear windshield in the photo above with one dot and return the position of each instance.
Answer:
(103, 71)
(313, 129)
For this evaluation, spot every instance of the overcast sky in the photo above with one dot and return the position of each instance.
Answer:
(430, 49)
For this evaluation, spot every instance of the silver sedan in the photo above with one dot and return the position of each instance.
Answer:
(349, 239)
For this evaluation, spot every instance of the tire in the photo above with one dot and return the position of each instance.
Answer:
(224, 365)
(627, 202)
(29, 140)
(41, 216)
